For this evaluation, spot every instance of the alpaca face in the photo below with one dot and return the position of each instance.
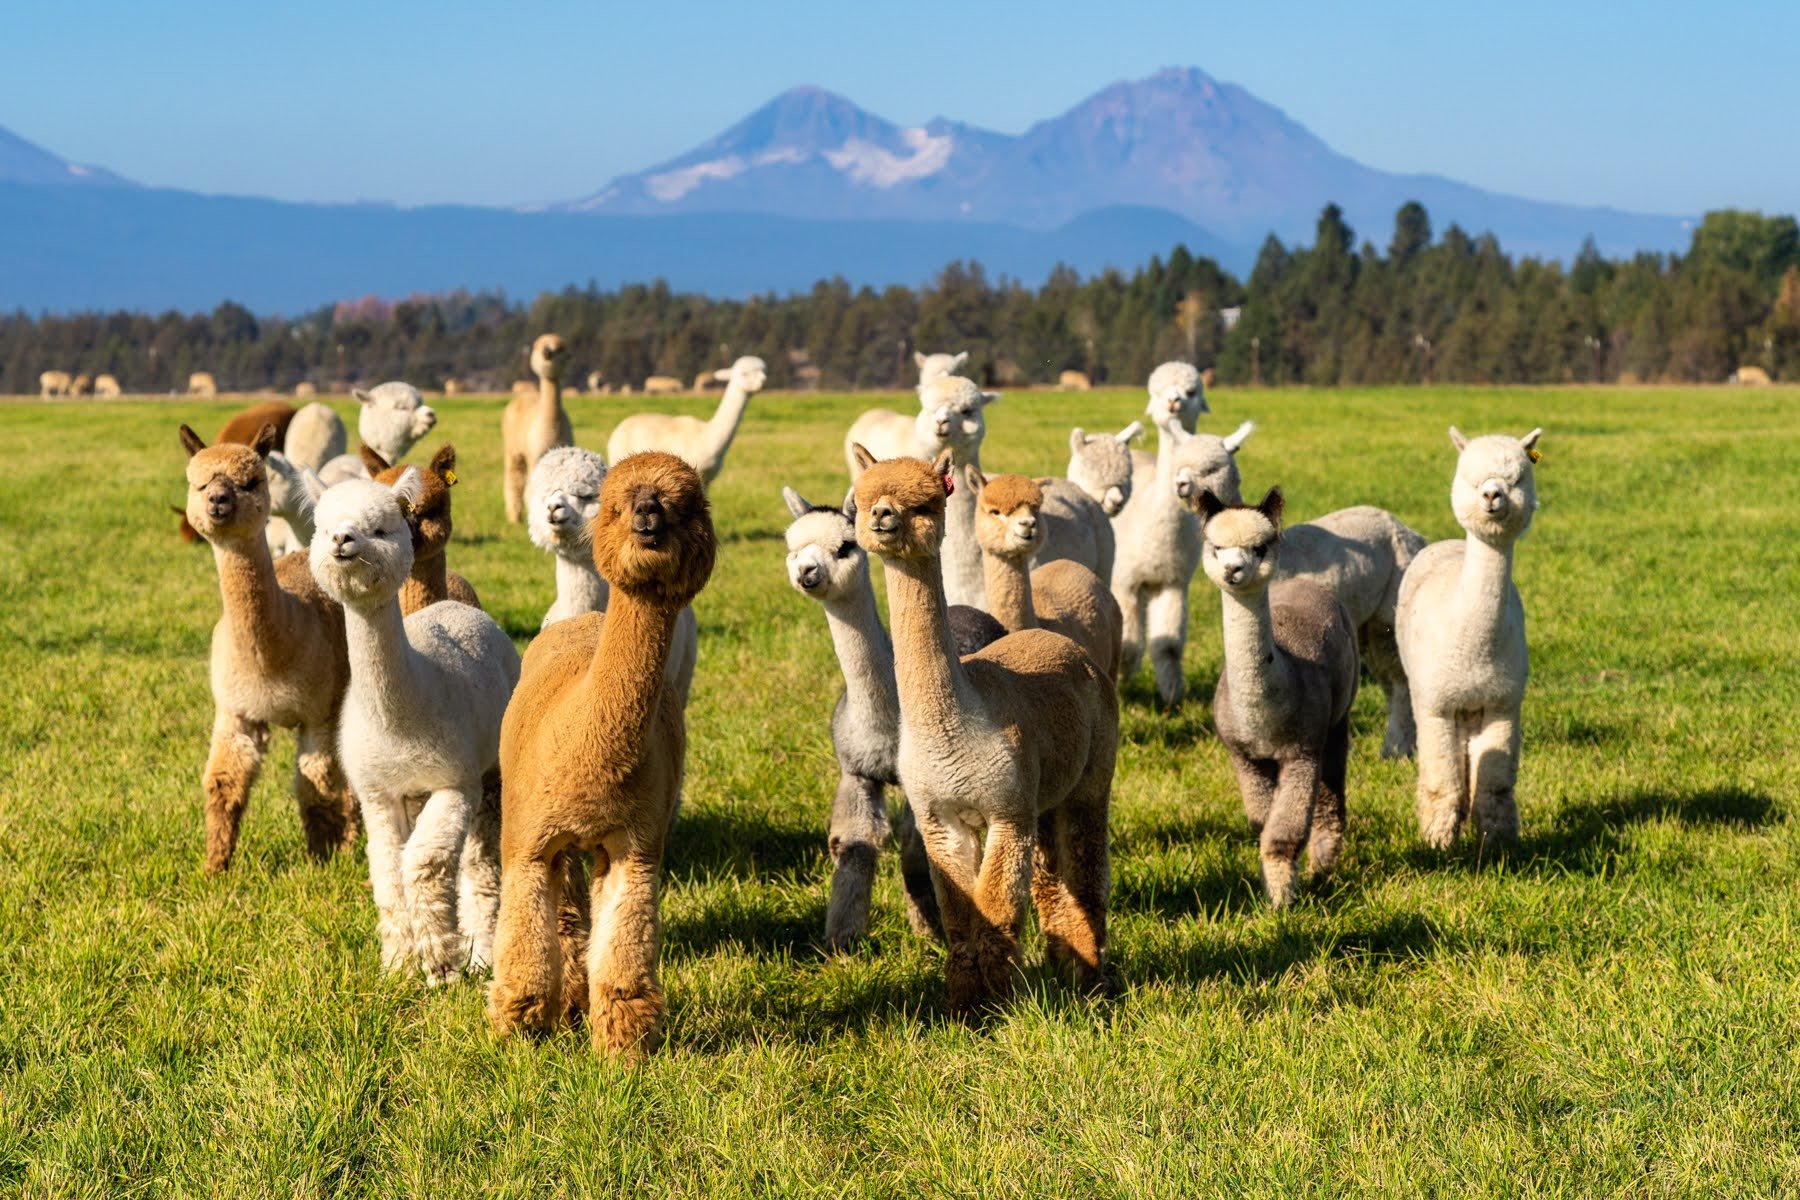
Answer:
(1241, 544)
(1006, 515)
(561, 498)
(823, 558)
(900, 505)
(428, 515)
(653, 536)
(748, 372)
(362, 550)
(1176, 392)
(548, 354)
(1100, 465)
(1204, 463)
(1494, 493)
(394, 416)
(950, 415)
(228, 486)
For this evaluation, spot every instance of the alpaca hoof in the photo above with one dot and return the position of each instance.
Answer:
(1278, 879)
(628, 1026)
(981, 974)
(509, 1011)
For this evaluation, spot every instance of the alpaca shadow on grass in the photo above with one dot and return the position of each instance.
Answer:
(1225, 953)
(706, 844)
(764, 922)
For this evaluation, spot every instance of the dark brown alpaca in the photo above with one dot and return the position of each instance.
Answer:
(429, 519)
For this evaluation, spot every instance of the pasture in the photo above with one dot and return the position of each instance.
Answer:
(1612, 1007)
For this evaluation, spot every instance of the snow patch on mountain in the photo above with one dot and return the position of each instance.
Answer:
(866, 162)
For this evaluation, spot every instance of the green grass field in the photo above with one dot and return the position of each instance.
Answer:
(1612, 1008)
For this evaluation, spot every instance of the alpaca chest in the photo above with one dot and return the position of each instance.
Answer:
(1159, 547)
(297, 692)
(958, 784)
(385, 762)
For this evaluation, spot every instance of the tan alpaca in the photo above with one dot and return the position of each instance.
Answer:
(1062, 596)
(278, 654)
(242, 428)
(1018, 739)
(428, 517)
(531, 426)
(591, 758)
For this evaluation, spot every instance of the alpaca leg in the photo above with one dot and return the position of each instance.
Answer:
(428, 868)
(1328, 813)
(1381, 654)
(625, 1001)
(516, 471)
(1256, 783)
(859, 826)
(572, 928)
(1002, 893)
(955, 856)
(232, 765)
(327, 809)
(1168, 639)
(1072, 882)
(1290, 820)
(1443, 772)
(528, 968)
(1494, 768)
(1132, 604)
(388, 826)
(915, 879)
(478, 876)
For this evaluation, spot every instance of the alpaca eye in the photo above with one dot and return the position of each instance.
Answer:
(251, 486)
(843, 551)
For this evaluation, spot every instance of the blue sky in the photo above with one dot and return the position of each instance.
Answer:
(1650, 106)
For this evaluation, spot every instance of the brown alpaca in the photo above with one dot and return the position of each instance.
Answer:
(1018, 739)
(533, 425)
(1062, 596)
(591, 759)
(429, 519)
(242, 428)
(278, 654)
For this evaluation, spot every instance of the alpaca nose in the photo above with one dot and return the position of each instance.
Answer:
(647, 520)
(1493, 497)
(220, 501)
(883, 518)
(810, 576)
(427, 417)
(1027, 528)
(558, 514)
(343, 544)
(1114, 501)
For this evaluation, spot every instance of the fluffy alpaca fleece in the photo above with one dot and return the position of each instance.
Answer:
(1282, 706)
(562, 498)
(1159, 547)
(1018, 739)
(700, 444)
(938, 366)
(428, 517)
(1461, 629)
(951, 416)
(394, 416)
(315, 437)
(532, 426)
(1100, 465)
(591, 755)
(420, 735)
(278, 655)
(293, 490)
(1061, 596)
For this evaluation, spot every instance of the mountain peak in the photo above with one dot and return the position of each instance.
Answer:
(26, 162)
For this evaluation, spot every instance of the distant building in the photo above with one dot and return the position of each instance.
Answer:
(1228, 317)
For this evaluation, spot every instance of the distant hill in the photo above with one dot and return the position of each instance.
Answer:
(23, 162)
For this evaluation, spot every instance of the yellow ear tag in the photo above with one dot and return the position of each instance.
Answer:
(449, 478)
(1531, 452)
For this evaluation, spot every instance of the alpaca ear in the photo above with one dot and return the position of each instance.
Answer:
(988, 398)
(1530, 440)
(942, 465)
(849, 509)
(1457, 439)
(919, 359)
(796, 503)
(190, 441)
(1272, 504)
(372, 459)
(973, 475)
(864, 460)
(408, 487)
(311, 485)
(265, 440)
(957, 362)
(1077, 439)
(1210, 505)
(1239, 436)
(1124, 436)
(443, 464)
(362, 397)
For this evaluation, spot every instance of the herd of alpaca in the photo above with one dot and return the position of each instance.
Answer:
(515, 812)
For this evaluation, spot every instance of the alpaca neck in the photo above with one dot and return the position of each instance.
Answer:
(625, 680)
(384, 671)
(1256, 671)
(579, 588)
(255, 605)
(864, 652)
(1162, 496)
(549, 405)
(724, 425)
(1482, 588)
(935, 697)
(427, 583)
(1009, 591)
(964, 581)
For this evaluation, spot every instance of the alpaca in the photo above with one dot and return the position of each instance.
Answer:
(1461, 629)
(938, 366)
(106, 387)
(82, 385)
(591, 755)
(314, 436)
(54, 383)
(1178, 393)
(1159, 548)
(201, 383)
(1282, 706)
(662, 385)
(1072, 527)
(532, 426)
(428, 518)
(1062, 596)
(1018, 739)
(243, 428)
(951, 415)
(700, 444)
(1074, 381)
(278, 654)
(394, 416)
(562, 498)
(306, 389)
(1100, 465)
(420, 733)
(293, 490)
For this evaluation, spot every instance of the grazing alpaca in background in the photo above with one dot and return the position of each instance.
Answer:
(420, 733)
(278, 654)
(700, 444)
(1282, 706)
(531, 427)
(591, 756)
(1461, 629)
(1018, 739)
(428, 517)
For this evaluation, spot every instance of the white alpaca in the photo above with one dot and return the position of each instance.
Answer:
(562, 496)
(1100, 465)
(394, 416)
(1461, 629)
(1177, 392)
(700, 444)
(420, 734)
(938, 366)
(314, 437)
(293, 491)
(1159, 547)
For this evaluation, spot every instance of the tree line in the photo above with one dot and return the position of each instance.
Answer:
(1450, 308)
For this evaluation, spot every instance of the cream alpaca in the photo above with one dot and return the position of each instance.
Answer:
(420, 734)
(1159, 548)
(532, 427)
(1461, 629)
(938, 366)
(394, 416)
(592, 754)
(278, 655)
(1018, 739)
(315, 436)
(1177, 392)
(1061, 596)
(1283, 701)
(562, 498)
(1100, 465)
(293, 490)
(700, 444)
